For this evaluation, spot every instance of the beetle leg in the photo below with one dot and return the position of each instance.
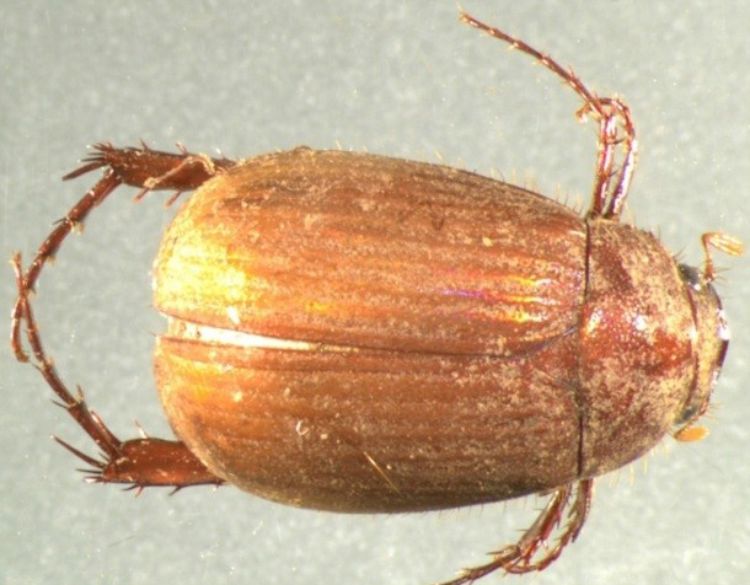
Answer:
(137, 462)
(523, 556)
(74, 404)
(148, 462)
(612, 182)
(75, 217)
(137, 167)
(616, 129)
(153, 169)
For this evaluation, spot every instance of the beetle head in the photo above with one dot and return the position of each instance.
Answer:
(710, 344)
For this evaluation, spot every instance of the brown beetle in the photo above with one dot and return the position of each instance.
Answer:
(359, 333)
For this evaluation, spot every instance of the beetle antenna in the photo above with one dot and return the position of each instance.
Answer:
(724, 243)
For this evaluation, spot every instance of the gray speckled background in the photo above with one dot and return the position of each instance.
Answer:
(394, 78)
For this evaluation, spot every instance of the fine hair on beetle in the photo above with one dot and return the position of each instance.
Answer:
(359, 333)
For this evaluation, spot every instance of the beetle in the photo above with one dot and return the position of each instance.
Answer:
(358, 333)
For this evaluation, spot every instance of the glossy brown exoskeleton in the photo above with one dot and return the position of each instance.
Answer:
(358, 333)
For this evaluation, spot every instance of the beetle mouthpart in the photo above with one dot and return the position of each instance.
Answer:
(691, 434)
(187, 331)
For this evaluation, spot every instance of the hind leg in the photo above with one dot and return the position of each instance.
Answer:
(142, 461)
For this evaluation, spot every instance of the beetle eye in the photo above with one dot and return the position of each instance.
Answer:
(688, 414)
(691, 276)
